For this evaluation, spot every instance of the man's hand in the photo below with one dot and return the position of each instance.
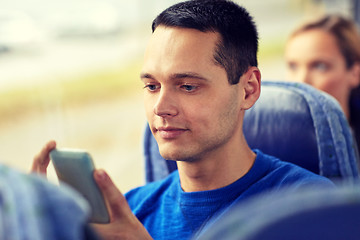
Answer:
(123, 223)
(42, 159)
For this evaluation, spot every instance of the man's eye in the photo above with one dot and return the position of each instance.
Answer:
(188, 88)
(151, 87)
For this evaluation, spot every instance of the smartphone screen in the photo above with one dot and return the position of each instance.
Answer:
(75, 168)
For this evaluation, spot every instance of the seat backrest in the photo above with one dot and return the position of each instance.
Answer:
(311, 214)
(33, 208)
(292, 121)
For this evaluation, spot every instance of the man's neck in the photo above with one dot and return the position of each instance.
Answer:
(216, 171)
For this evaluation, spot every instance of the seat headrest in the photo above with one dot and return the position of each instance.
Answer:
(280, 124)
(299, 124)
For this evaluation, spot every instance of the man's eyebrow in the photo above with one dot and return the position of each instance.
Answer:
(146, 75)
(176, 76)
(188, 75)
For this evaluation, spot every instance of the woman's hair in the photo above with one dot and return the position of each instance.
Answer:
(345, 32)
(237, 49)
(347, 36)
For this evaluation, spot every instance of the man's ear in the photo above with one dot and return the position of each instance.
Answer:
(251, 83)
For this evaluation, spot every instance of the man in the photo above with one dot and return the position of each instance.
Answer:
(200, 75)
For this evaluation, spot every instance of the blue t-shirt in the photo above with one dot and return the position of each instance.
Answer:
(168, 212)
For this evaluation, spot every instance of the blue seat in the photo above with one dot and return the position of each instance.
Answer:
(292, 121)
(33, 208)
(311, 214)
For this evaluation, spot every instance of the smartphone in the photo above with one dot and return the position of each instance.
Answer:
(76, 167)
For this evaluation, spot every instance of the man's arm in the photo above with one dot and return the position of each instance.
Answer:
(123, 223)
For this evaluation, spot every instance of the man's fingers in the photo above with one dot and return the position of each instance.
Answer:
(42, 159)
(123, 223)
(117, 203)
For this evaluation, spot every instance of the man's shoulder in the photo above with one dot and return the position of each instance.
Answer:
(282, 172)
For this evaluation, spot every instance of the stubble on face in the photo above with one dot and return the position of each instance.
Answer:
(207, 138)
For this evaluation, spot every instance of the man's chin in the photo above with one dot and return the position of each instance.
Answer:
(171, 155)
(177, 156)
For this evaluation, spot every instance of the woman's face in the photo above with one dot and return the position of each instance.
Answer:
(314, 57)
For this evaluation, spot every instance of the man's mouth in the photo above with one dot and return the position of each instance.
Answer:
(170, 132)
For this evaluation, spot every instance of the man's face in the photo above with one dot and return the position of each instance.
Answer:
(190, 106)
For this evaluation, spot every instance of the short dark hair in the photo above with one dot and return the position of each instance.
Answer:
(237, 49)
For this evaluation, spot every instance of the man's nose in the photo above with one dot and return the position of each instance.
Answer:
(166, 104)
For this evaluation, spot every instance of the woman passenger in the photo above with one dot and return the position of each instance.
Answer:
(326, 54)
